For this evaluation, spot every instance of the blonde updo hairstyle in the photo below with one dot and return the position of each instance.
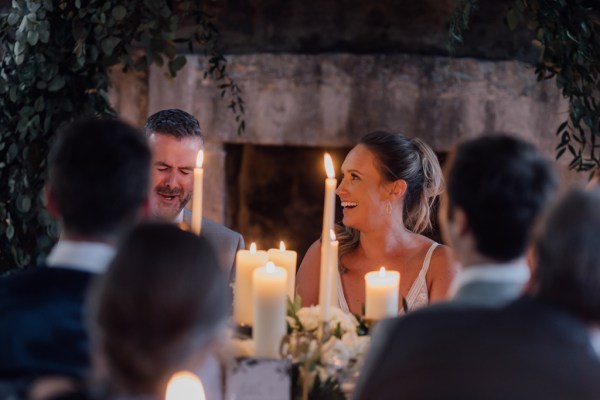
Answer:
(411, 160)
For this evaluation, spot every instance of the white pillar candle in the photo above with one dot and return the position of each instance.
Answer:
(382, 290)
(246, 262)
(325, 285)
(197, 194)
(185, 385)
(286, 259)
(269, 301)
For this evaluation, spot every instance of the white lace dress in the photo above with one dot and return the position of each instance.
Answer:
(417, 297)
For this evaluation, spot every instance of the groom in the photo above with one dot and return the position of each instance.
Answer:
(175, 139)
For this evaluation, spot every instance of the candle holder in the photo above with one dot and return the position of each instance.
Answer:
(242, 331)
(324, 332)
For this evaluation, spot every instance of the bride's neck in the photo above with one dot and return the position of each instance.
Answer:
(379, 245)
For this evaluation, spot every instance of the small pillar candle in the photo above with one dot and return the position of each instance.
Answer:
(185, 385)
(246, 262)
(286, 259)
(382, 289)
(269, 302)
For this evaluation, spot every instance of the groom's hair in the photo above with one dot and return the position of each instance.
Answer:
(568, 255)
(174, 122)
(501, 183)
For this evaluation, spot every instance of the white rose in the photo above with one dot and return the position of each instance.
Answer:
(335, 354)
(347, 321)
(357, 345)
(309, 317)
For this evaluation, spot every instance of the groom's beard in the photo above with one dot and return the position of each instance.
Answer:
(168, 202)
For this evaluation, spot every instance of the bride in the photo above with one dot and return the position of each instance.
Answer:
(388, 187)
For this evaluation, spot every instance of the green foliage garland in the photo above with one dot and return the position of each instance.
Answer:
(55, 67)
(567, 32)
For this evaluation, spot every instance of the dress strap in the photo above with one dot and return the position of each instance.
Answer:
(343, 304)
(418, 291)
(425, 266)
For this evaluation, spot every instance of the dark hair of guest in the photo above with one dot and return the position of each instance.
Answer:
(162, 300)
(502, 184)
(99, 173)
(568, 255)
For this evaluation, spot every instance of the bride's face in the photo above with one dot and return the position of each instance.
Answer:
(362, 191)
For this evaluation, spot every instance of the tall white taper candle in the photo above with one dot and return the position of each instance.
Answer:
(197, 194)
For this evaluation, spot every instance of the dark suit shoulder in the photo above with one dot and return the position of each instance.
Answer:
(43, 279)
(525, 350)
(42, 322)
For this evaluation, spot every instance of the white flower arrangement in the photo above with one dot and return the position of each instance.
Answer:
(333, 361)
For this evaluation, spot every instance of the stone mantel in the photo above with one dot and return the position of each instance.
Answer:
(334, 99)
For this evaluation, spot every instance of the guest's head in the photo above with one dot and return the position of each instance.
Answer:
(389, 179)
(497, 187)
(568, 255)
(99, 173)
(175, 138)
(158, 308)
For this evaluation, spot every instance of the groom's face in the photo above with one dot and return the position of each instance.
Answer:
(173, 165)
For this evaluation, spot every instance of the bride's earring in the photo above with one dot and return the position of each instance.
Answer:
(388, 207)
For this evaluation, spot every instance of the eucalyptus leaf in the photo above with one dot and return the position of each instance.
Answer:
(44, 36)
(109, 44)
(33, 6)
(10, 232)
(57, 83)
(23, 203)
(32, 37)
(176, 64)
(119, 12)
(13, 18)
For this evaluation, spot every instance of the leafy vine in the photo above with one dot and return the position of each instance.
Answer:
(567, 34)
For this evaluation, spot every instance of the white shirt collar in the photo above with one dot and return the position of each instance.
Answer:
(595, 339)
(179, 217)
(90, 257)
(515, 272)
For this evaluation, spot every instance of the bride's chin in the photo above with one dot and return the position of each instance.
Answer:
(348, 223)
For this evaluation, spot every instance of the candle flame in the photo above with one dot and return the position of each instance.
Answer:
(185, 385)
(382, 272)
(270, 267)
(253, 248)
(332, 235)
(329, 166)
(200, 159)
(281, 245)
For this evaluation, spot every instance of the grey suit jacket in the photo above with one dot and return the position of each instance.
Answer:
(225, 241)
